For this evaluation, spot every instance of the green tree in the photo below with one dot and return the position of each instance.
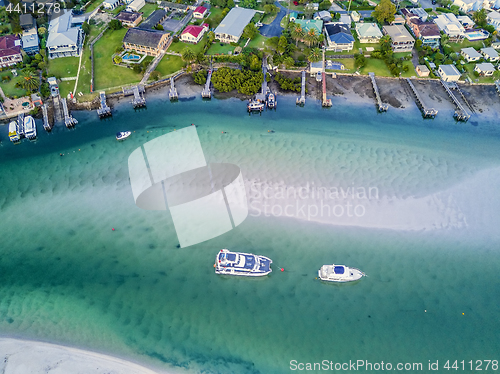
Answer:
(360, 60)
(311, 37)
(230, 4)
(324, 5)
(42, 31)
(159, 27)
(289, 62)
(211, 37)
(114, 24)
(137, 68)
(315, 55)
(188, 55)
(250, 31)
(30, 81)
(384, 12)
(385, 44)
(86, 28)
(297, 33)
(480, 17)
(282, 43)
(270, 9)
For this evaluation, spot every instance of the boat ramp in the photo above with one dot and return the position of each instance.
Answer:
(426, 112)
(302, 99)
(69, 121)
(461, 113)
(46, 124)
(104, 110)
(381, 106)
(172, 94)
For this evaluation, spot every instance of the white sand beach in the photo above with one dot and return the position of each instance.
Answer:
(23, 357)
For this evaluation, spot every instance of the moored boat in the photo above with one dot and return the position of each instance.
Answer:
(271, 101)
(13, 133)
(29, 128)
(339, 273)
(123, 135)
(242, 264)
(255, 105)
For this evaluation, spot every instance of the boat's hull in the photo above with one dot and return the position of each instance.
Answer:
(355, 275)
(260, 266)
(123, 136)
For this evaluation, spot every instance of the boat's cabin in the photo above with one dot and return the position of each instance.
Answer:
(339, 270)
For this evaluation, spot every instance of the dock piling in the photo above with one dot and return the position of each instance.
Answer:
(426, 112)
(302, 99)
(104, 110)
(173, 91)
(46, 124)
(69, 121)
(381, 106)
(139, 100)
(460, 113)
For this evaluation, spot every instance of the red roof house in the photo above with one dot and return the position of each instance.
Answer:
(193, 34)
(200, 12)
(10, 50)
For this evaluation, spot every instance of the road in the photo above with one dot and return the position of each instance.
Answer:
(274, 28)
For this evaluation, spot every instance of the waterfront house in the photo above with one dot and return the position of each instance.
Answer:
(155, 19)
(493, 19)
(200, 12)
(490, 54)
(485, 69)
(422, 71)
(310, 24)
(293, 16)
(401, 40)
(10, 50)
(449, 73)
(323, 15)
(193, 34)
(231, 27)
(136, 5)
(368, 32)
(26, 21)
(111, 4)
(470, 54)
(451, 26)
(427, 32)
(150, 42)
(36, 100)
(29, 42)
(65, 39)
(129, 19)
(338, 37)
(466, 22)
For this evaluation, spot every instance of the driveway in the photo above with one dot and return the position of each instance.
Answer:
(274, 28)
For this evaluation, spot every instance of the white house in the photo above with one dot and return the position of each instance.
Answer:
(449, 73)
(493, 18)
(338, 37)
(485, 69)
(136, 5)
(368, 32)
(355, 16)
(490, 54)
(111, 4)
(470, 54)
(64, 39)
(451, 26)
(231, 27)
(467, 6)
(193, 34)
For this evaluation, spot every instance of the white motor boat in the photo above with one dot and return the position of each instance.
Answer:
(123, 135)
(271, 101)
(255, 105)
(339, 273)
(243, 264)
(29, 128)
(13, 133)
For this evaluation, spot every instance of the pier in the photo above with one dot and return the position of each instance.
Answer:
(139, 101)
(46, 124)
(20, 124)
(326, 102)
(104, 110)
(69, 121)
(173, 91)
(264, 90)
(426, 112)
(206, 93)
(460, 113)
(381, 106)
(57, 109)
(302, 99)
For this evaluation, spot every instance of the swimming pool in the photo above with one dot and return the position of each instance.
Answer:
(477, 35)
(131, 57)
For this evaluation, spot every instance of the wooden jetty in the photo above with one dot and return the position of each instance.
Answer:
(104, 110)
(46, 124)
(20, 125)
(426, 112)
(381, 106)
(326, 102)
(173, 91)
(460, 113)
(139, 101)
(206, 93)
(302, 99)
(69, 121)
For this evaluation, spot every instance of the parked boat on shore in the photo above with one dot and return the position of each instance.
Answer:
(242, 264)
(29, 128)
(339, 273)
(13, 133)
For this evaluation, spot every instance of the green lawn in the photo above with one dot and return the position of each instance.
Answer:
(196, 48)
(66, 87)
(348, 63)
(85, 72)
(284, 21)
(298, 8)
(147, 9)
(469, 68)
(220, 49)
(169, 65)
(258, 42)
(107, 74)
(268, 18)
(376, 66)
(466, 43)
(63, 67)
(9, 88)
(94, 5)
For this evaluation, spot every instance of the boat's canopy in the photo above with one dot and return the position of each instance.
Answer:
(339, 269)
(12, 128)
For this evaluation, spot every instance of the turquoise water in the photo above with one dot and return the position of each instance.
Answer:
(431, 294)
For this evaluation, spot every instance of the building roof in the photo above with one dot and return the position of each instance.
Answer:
(200, 9)
(420, 13)
(368, 30)
(111, 2)
(128, 16)
(193, 30)
(146, 38)
(428, 29)
(471, 52)
(449, 70)
(339, 33)
(465, 20)
(168, 4)
(345, 18)
(30, 39)
(154, 19)
(423, 68)
(494, 15)
(398, 33)
(323, 14)
(489, 51)
(293, 15)
(235, 21)
(26, 20)
(485, 66)
(308, 24)
(60, 31)
(138, 4)
(9, 45)
(449, 24)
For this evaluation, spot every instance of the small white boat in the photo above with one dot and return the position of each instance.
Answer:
(255, 105)
(123, 135)
(339, 273)
(13, 134)
(29, 128)
(243, 264)
(271, 101)
(319, 76)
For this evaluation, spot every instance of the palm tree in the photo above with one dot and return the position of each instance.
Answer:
(297, 33)
(188, 55)
(315, 55)
(30, 81)
(311, 37)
